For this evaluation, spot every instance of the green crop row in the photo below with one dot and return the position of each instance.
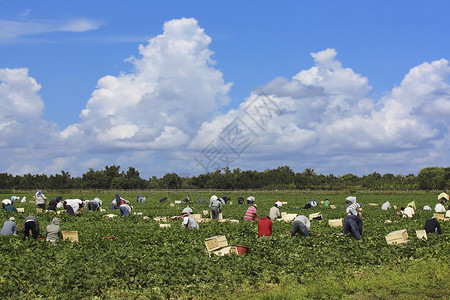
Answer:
(146, 261)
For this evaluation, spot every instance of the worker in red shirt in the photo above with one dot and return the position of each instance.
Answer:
(264, 227)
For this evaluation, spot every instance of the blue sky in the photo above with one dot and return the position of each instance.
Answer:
(165, 86)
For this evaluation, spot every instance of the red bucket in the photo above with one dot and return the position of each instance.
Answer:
(241, 250)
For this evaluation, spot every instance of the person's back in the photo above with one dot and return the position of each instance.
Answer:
(386, 206)
(250, 213)
(9, 227)
(302, 225)
(274, 213)
(432, 226)
(189, 223)
(10, 207)
(409, 212)
(53, 231)
(264, 227)
(439, 208)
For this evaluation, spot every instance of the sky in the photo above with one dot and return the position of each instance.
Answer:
(189, 87)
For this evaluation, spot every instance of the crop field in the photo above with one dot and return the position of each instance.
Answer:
(146, 261)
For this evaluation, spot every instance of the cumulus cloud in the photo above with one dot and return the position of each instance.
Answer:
(324, 112)
(165, 116)
(174, 88)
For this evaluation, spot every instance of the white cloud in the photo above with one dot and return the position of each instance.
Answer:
(326, 113)
(26, 27)
(164, 114)
(173, 89)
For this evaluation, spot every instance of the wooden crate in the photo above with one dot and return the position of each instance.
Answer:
(421, 234)
(70, 235)
(447, 214)
(196, 217)
(336, 222)
(172, 205)
(20, 209)
(161, 219)
(224, 251)
(397, 237)
(289, 217)
(220, 216)
(164, 225)
(315, 215)
(39, 210)
(206, 212)
(177, 202)
(373, 204)
(216, 242)
(333, 206)
(439, 216)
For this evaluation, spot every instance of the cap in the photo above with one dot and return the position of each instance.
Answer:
(12, 219)
(255, 205)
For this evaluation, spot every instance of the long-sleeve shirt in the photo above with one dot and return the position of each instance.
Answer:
(251, 212)
(432, 226)
(9, 228)
(274, 213)
(264, 227)
(304, 220)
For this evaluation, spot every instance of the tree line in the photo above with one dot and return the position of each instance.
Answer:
(281, 178)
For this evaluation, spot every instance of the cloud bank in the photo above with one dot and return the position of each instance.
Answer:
(165, 116)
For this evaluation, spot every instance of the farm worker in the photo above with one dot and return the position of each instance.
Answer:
(353, 224)
(14, 198)
(386, 206)
(216, 208)
(125, 208)
(72, 206)
(189, 223)
(95, 204)
(240, 200)
(313, 203)
(40, 199)
(278, 203)
(412, 204)
(212, 199)
(186, 200)
(301, 224)
(427, 207)
(6, 202)
(187, 210)
(440, 208)
(201, 200)
(349, 201)
(408, 212)
(327, 202)
(31, 223)
(10, 207)
(432, 226)
(54, 203)
(264, 227)
(443, 196)
(352, 207)
(250, 200)
(9, 227)
(250, 214)
(140, 199)
(401, 211)
(274, 212)
(53, 231)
